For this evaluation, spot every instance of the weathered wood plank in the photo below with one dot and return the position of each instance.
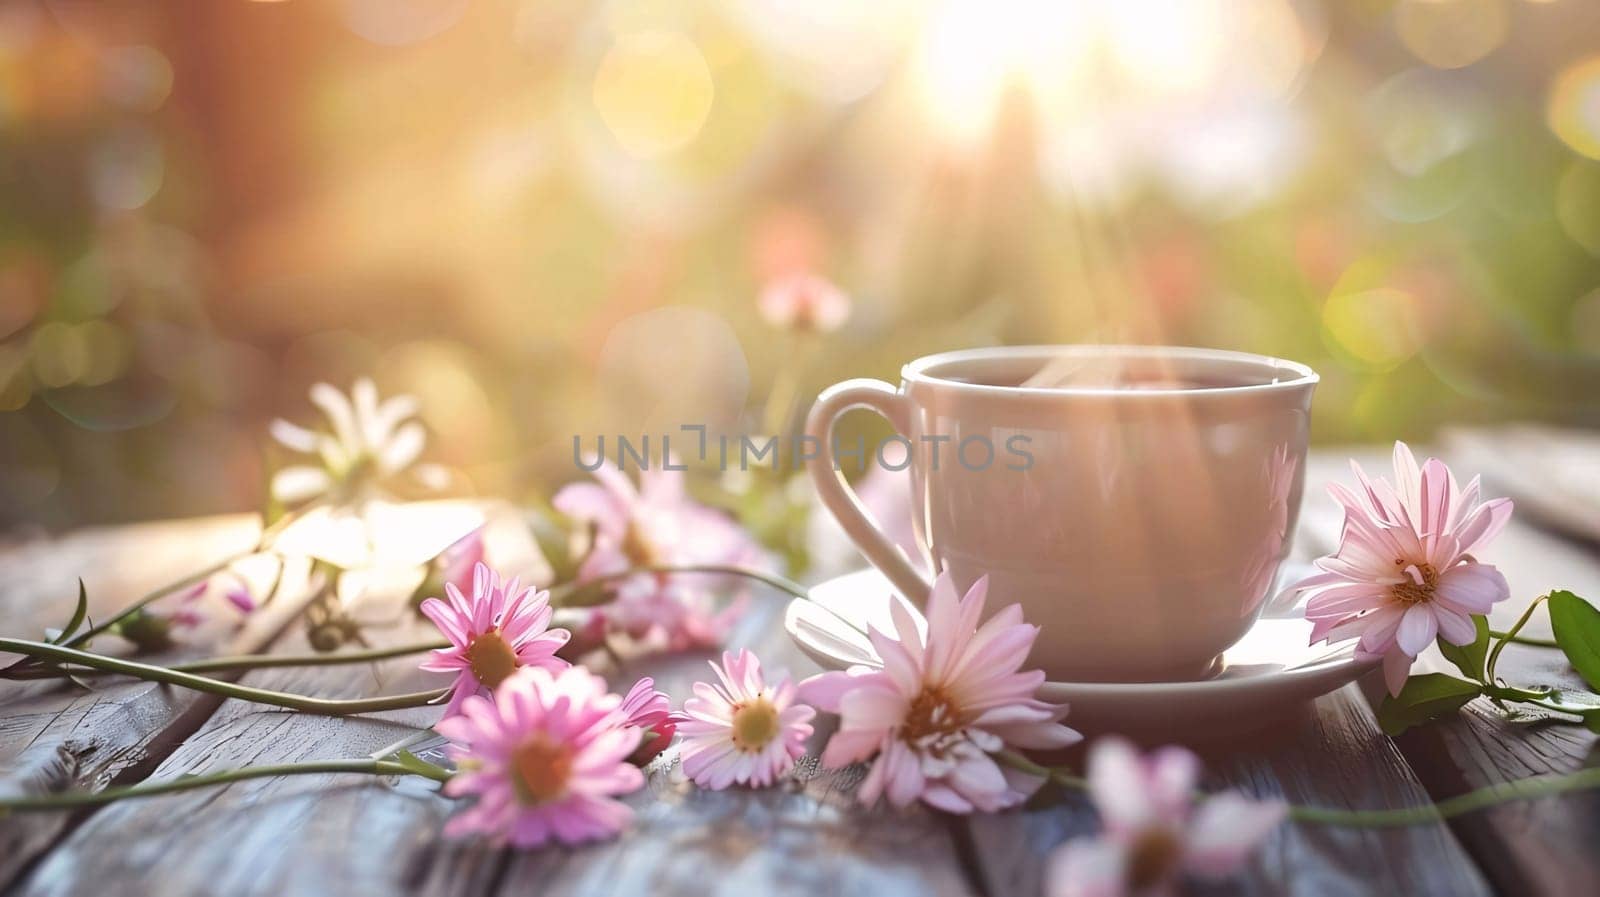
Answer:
(63, 738)
(1330, 755)
(312, 834)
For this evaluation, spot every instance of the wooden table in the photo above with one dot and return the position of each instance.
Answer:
(360, 835)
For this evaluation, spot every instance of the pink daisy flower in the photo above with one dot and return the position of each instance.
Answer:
(650, 712)
(804, 302)
(743, 730)
(1153, 832)
(496, 632)
(942, 706)
(1404, 573)
(544, 759)
(657, 524)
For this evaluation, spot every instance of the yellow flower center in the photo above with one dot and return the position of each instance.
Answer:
(638, 547)
(1412, 592)
(541, 769)
(1152, 859)
(491, 658)
(755, 724)
(931, 713)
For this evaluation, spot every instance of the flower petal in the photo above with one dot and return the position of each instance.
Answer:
(1226, 829)
(1472, 588)
(1117, 784)
(293, 485)
(1417, 629)
(1087, 867)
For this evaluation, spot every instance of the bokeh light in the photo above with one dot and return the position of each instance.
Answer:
(1377, 327)
(1574, 107)
(1578, 204)
(654, 91)
(397, 23)
(548, 217)
(1450, 34)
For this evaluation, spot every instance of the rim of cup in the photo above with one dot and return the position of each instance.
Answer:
(925, 370)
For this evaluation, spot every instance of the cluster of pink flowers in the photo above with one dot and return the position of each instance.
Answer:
(652, 525)
(542, 744)
(546, 751)
(1404, 573)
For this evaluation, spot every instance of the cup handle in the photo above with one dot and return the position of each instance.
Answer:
(835, 492)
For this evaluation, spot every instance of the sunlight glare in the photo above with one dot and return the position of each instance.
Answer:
(973, 51)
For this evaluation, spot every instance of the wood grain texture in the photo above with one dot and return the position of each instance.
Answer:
(59, 737)
(299, 835)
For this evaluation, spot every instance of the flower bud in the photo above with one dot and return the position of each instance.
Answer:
(147, 631)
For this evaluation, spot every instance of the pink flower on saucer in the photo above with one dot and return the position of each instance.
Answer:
(1152, 830)
(497, 631)
(804, 302)
(657, 524)
(650, 712)
(742, 731)
(545, 759)
(942, 706)
(1404, 573)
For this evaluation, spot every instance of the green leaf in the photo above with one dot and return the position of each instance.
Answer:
(1577, 628)
(79, 614)
(1423, 698)
(419, 766)
(554, 532)
(1591, 720)
(1469, 658)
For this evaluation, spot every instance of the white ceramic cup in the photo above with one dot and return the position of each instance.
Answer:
(1144, 527)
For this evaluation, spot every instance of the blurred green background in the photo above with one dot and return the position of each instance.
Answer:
(548, 218)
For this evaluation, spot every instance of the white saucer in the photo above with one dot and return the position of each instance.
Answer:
(1271, 672)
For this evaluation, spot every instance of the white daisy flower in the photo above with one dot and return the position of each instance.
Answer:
(369, 442)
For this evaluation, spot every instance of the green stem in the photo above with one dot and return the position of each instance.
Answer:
(1519, 789)
(259, 661)
(151, 789)
(321, 706)
(267, 535)
(1524, 639)
(1488, 796)
(1494, 654)
(252, 662)
(262, 661)
(149, 598)
(771, 579)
